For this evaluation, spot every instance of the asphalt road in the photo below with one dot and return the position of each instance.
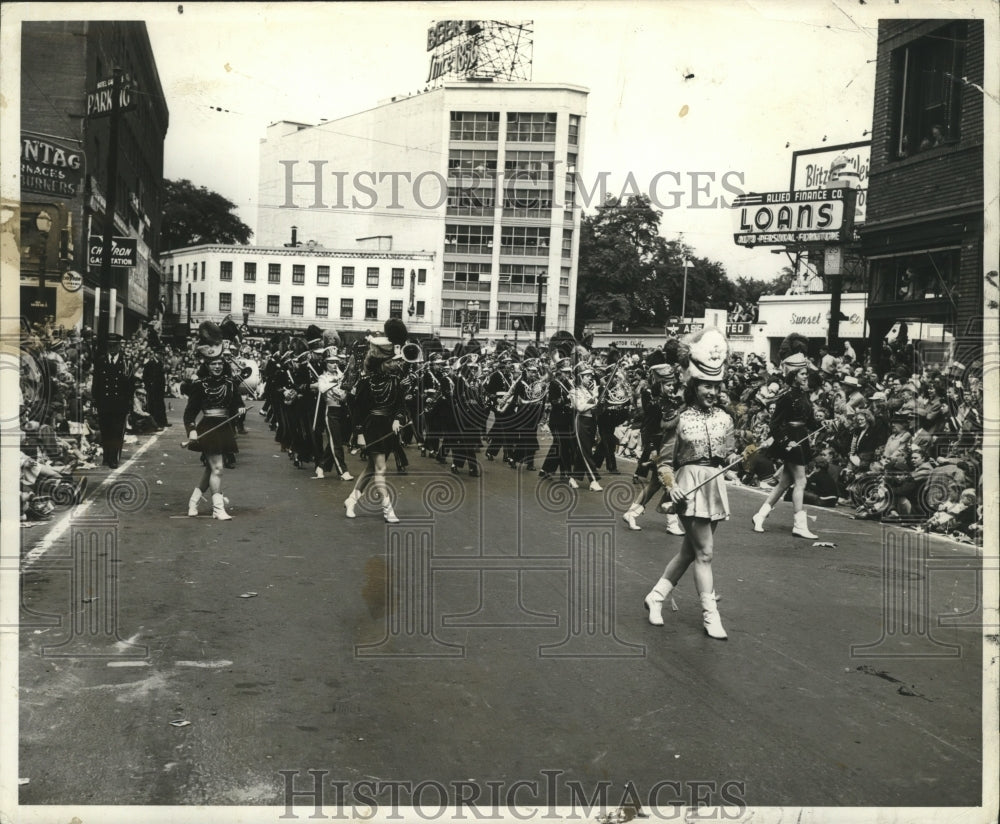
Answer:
(495, 635)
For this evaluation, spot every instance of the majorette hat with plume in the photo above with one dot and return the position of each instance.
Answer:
(703, 355)
(792, 353)
(209, 340)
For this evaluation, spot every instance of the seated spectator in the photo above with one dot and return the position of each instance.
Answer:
(140, 420)
(956, 514)
(821, 486)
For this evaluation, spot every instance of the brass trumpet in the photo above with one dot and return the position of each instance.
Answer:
(412, 353)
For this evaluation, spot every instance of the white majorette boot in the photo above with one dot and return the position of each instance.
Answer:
(193, 503)
(654, 601)
(320, 474)
(674, 524)
(801, 525)
(389, 514)
(631, 514)
(710, 617)
(573, 484)
(349, 503)
(219, 508)
(596, 487)
(758, 519)
(346, 476)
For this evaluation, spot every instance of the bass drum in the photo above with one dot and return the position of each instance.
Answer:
(250, 371)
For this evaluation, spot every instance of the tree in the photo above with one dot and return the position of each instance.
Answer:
(194, 215)
(621, 254)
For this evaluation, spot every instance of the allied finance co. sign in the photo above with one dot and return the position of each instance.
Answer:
(777, 218)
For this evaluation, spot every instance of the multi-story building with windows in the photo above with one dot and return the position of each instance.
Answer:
(65, 166)
(481, 175)
(923, 236)
(287, 288)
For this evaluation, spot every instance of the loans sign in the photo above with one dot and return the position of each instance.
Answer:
(778, 218)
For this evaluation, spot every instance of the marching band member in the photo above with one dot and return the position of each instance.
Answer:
(336, 420)
(528, 404)
(500, 395)
(584, 398)
(469, 414)
(435, 386)
(791, 425)
(563, 446)
(705, 440)
(663, 394)
(612, 412)
(380, 408)
(217, 398)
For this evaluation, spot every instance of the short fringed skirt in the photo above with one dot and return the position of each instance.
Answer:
(710, 501)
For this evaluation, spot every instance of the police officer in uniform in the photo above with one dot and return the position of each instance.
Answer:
(112, 389)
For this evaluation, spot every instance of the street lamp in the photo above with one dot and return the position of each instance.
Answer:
(684, 297)
(542, 278)
(43, 223)
(517, 325)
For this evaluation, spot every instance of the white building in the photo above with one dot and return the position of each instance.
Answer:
(478, 175)
(289, 288)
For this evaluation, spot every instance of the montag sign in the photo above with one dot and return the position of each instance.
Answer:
(123, 251)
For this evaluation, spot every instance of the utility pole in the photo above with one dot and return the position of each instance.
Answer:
(104, 310)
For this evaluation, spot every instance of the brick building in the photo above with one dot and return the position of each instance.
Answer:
(64, 169)
(923, 236)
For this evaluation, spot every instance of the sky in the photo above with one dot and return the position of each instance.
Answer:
(704, 92)
(707, 91)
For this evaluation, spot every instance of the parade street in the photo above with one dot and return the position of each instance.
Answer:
(495, 635)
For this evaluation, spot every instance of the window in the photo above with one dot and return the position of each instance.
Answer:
(249, 303)
(397, 278)
(347, 276)
(203, 270)
(475, 125)
(322, 275)
(455, 312)
(466, 277)
(202, 302)
(564, 282)
(274, 273)
(371, 310)
(524, 240)
(567, 244)
(526, 203)
(531, 127)
(346, 308)
(225, 270)
(395, 309)
(521, 310)
(420, 308)
(298, 273)
(914, 277)
(467, 201)
(225, 301)
(298, 305)
(520, 278)
(273, 304)
(372, 279)
(421, 276)
(250, 272)
(574, 130)
(476, 240)
(472, 164)
(529, 166)
(928, 90)
(322, 307)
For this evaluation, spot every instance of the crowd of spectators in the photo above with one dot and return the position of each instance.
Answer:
(902, 442)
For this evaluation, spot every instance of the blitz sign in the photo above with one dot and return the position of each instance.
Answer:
(101, 102)
(777, 218)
